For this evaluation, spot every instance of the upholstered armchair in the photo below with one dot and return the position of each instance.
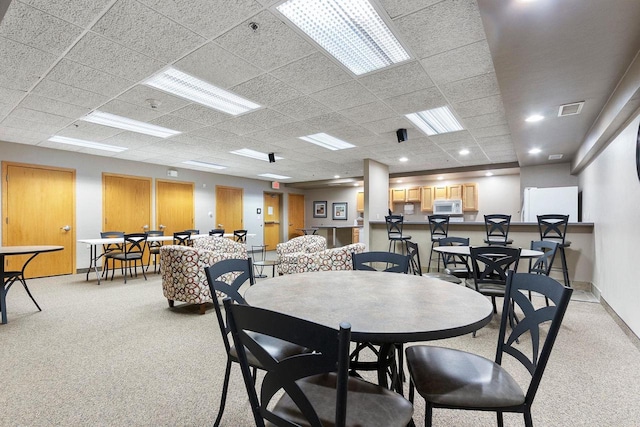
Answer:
(182, 270)
(328, 259)
(289, 251)
(220, 244)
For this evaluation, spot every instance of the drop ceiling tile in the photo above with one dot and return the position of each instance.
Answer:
(312, 73)
(131, 140)
(191, 140)
(480, 106)
(5, 109)
(21, 136)
(458, 19)
(21, 66)
(140, 94)
(217, 66)
(211, 133)
(368, 112)
(79, 12)
(471, 88)
(461, 63)
(199, 16)
(176, 123)
(398, 80)
(68, 94)
(266, 117)
(238, 126)
(16, 122)
(52, 106)
(136, 26)
(83, 77)
(397, 8)
(200, 114)
(273, 45)
(353, 134)
(302, 108)
(485, 120)
(417, 101)
(135, 155)
(57, 146)
(42, 117)
(44, 32)
(387, 125)
(103, 54)
(88, 131)
(491, 131)
(444, 138)
(11, 96)
(266, 90)
(328, 121)
(131, 111)
(503, 141)
(344, 96)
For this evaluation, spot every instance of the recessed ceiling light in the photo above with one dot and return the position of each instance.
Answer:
(126, 123)
(534, 118)
(274, 176)
(399, 181)
(246, 152)
(435, 121)
(488, 174)
(535, 151)
(440, 178)
(327, 141)
(336, 176)
(203, 164)
(463, 152)
(403, 159)
(356, 185)
(351, 31)
(86, 144)
(192, 88)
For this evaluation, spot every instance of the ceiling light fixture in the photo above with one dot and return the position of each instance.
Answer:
(114, 121)
(86, 144)
(352, 32)
(440, 178)
(534, 118)
(463, 152)
(336, 176)
(274, 176)
(435, 121)
(181, 84)
(403, 159)
(327, 141)
(488, 174)
(535, 151)
(203, 164)
(246, 152)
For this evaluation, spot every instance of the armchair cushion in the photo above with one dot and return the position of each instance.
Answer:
(220, 244)
(288, 252)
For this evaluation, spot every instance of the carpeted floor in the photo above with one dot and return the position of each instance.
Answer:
(116, 355)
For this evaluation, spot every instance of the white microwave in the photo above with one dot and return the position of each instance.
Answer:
(447, 207)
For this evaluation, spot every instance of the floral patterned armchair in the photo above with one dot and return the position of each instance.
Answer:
(220, 244)
(328, 260)
(289, 251)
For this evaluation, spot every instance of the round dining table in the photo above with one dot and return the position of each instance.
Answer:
(465, 251)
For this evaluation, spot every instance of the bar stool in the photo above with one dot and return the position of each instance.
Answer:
(439, 227)
(394, 232)
(553, 227)
(497, 227)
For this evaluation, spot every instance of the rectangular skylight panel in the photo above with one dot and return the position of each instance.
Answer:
(327, 141)
(351, 31)
(112, 120)
(246, 152)
(435, 121)
(274, 176)
(189, 87)
(203, 164)
(87, 144)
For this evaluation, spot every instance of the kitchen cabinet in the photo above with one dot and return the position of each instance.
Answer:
(398, 195)
(360, 201)
(413, 195)
(426, 202)
(440, 192)
(454, 191)
(470, 197)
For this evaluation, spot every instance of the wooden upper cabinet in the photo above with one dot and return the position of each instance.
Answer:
(413, 194)
(470, 197)
(440, 192)
(454, 191)
(426, 203)
(360, 201)
(398, 195)
(391, 200)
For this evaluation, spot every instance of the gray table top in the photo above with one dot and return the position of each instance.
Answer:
(23, 250)
(464, 251)
(381, 307)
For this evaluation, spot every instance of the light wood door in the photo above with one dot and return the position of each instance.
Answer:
(126, 204)
(38, 203)
(271, 220)
(175, 208)
(296, 215)
(229, 208)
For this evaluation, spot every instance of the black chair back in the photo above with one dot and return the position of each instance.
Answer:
(192, 231)
(151, 243)
(489, 265)
(240, 235)
(497, 228)
(414, 258)
(182, 238)
(394, 225)
(112, 247)
(393, 262)
(439, 226)
(553, 227)
(217, 232)
(134, 245)
(542, 264)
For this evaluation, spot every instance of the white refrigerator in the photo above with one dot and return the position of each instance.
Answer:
(552, 200)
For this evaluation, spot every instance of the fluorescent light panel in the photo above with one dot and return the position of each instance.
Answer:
(274, 176)
(246, 152)
(87, 144)
(327, 141)
(351, 31)
(435, 121)
(125, 123)
(189, 87)
(203, 164)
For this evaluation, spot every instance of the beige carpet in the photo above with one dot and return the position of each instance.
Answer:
(116, 355)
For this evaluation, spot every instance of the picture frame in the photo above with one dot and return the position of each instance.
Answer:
(340, 211)
(320, 209)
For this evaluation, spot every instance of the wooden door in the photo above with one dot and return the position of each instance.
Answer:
(271, 220)
(296, 215)
(126, 203)
(38, 203)
(175, 206)
(229, 208)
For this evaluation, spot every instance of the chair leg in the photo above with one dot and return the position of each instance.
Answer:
(223, 398)
(528, 421)
(171, 302)
(565, 269)
(203, 308)
(428, 414)
(500, 419)
(26, 288)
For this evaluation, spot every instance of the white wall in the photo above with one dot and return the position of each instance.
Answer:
(331, 195)
(611, 200)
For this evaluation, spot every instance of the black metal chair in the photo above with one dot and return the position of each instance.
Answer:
(553, 228)
(439, 228)
(153, 248)
(497, 228)
(394, 231)
(454, 379)
(542, 264)
(134, 245)
(239, 235)
(192, 231)
(182, 238)
(489, 265)
(313, 388)
(110, 249)
(217, 232)
(456, 267)
(414, 258)
(372, 261)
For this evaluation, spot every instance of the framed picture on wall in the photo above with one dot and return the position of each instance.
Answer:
(320, 209)
(340, 210)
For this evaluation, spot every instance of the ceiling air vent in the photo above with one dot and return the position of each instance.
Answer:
(570, 109)
(555, 156)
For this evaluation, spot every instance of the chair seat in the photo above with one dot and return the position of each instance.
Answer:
(277, 348)
(447, 277)
(461, 271)
(130, 256)
(456, 378)
(498, 240)
(488, 289)
(368, 404)
(397, 236)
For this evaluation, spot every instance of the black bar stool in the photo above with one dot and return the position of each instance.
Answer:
(553, 227)
(439, 227)
(394, 232)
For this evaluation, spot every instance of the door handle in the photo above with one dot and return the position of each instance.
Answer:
(220, 226)
(162, 227)
(65, 228)
(145, 227)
